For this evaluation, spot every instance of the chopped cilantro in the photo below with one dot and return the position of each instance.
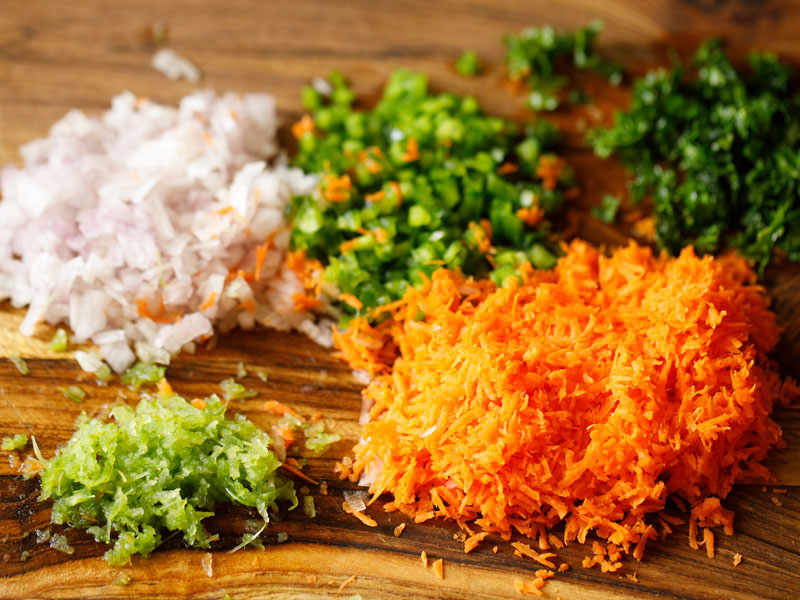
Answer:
(607, 211)
(161, 466)
(536, 54)
(60, 341)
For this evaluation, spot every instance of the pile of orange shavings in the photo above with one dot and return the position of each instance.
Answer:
(586, 395)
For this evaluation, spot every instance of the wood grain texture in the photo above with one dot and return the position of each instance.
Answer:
(56, 56)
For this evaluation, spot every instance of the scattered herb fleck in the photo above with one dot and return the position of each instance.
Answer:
(20, 363)
(418, 182)
(233, 390)
(15, 442)
(103, 373)
(309, 507)
(72, 392)
(60, 542)
(467, 64)
(143, 373)
(60, 341)
(42, 535)
(536, 54)
(607, 211)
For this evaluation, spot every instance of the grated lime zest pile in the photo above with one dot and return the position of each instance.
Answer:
(160, 466)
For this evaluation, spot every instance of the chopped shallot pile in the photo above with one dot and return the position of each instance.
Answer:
(152, 226)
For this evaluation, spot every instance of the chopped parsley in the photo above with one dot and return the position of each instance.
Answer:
(233, 390)
(717, 152)
(15, 442)
(161, 466)
(536, 55)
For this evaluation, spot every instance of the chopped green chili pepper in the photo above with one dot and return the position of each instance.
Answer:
(717, 153)
(418, 182)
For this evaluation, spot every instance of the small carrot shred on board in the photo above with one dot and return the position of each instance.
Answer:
(472, 542)
(737, 559)
(399, 529)
(586, 395)
(438, 568)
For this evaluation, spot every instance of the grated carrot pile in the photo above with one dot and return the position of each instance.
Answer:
(586, 395)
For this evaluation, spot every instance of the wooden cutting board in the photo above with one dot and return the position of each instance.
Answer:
(56, 56)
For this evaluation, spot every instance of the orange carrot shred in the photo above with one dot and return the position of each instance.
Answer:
(737, 559)
(199, 403)
(351, 301)
(303, 126)
(584, 396)
(708, 540)
(424, 558)
(472, 542)
(399, 529)
(209, 302)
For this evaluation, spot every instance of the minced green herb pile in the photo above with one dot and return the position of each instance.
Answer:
(160, 467)
(718, 153)
(537, 55)
(406, 184)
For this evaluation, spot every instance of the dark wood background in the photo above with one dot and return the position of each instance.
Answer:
(60, 55)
